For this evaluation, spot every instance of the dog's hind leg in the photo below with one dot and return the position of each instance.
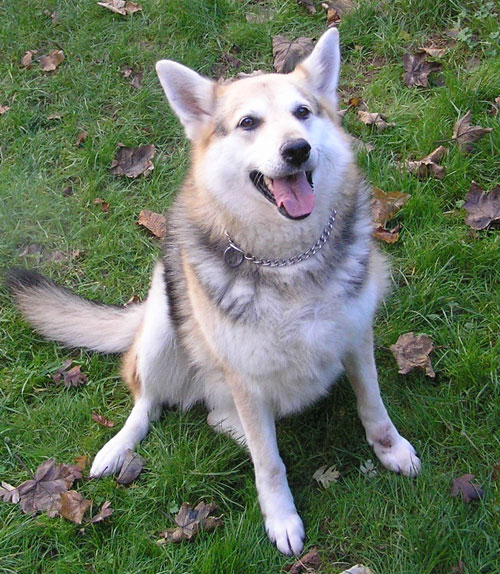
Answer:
(147, 366)
(393, 451)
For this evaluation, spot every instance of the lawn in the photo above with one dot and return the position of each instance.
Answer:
(446, 279)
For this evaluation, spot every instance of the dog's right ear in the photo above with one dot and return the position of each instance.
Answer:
(190, 95)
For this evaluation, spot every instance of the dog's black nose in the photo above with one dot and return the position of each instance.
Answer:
(295, 152)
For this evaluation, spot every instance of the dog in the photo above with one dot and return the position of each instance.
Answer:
(267, 286)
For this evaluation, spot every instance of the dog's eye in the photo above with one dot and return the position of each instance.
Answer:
(248, 123)
(302, 113)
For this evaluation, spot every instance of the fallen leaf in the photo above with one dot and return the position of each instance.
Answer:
(465, 135)
(368, 468)
(288, 53)
(4, 109)
(57, 255)
(9, 493)
(133, 162)
(412, 352)
(104, 205)
(54, 116)
(495, 107)
(385, 204)
(433, 51)
(307, 564)
(81, 137)
(73, 506)
(357, 569)
(153, 222)
(71, 377)
(374, 118)
(326, 475)
(192, 520)
(387, 235)
(332, 16)
(104, 513)
(50, 62)
(495, 475)
(309, 5)
(137, 81)
(482, 208)
(428, 166)
(121, 7)
(27, 59)
(131, 468)
(103, 421)
(43, 492)
(82, 462)
(226, 63)
(418, 69)
(467, 490)
(68, 191)
(357, 102)
(360, 145)
(459, 568)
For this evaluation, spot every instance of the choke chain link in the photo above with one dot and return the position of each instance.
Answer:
(234, 255)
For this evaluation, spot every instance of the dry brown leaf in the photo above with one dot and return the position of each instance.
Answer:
(428, 166)
(153, 222)
(385, 204)
(71, 377)
(357, 569)
(467, 490)
(104, 513)
(133, 162)
(82, 462)
(9, 493)
(374, 119)
(131, 468)
(104, 205)
(326, 475)
(121, 7)
(433, 51)
(4, 109)
(81, 137)
(465, 135)
(288, 53)
(418, 69)
(332, 16)
(137, 81)
(50, 62)
(190, 521)
(307, 564)
(459, 568)
(387, 235)
(483, 209)
(27, 59)
(103, 421)
(73, 506)
(495, 107)
(309, 5)
(412, 352)
(495, 475)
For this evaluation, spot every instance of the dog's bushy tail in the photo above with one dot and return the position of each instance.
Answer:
(62, 316)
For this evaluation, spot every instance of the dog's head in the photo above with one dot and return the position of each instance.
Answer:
(268, 136)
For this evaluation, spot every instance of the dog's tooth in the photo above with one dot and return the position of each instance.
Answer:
(268, 181)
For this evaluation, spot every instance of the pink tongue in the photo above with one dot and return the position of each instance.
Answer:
(295, 194)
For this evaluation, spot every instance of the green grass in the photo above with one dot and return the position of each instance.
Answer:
(446, 279)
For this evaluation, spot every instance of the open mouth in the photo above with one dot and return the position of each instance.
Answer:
(293, 194)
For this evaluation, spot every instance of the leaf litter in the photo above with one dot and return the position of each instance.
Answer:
(326, 475)
(465, 134)
(467, 490)
(155, 223)
(131, 468)
(375, 119)
(190, 521)
(307, 564)
(133, 162)
(69, 376)
(288, 53)
(122, 7)
(412, 352)
(384, 206)
(428, 166)
(418, 69)
(483, 209)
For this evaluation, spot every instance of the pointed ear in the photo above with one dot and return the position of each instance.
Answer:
(322, 66)
(190, 95)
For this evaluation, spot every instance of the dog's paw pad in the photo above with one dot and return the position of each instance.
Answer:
(399, 457)
(287, 533)
(109, 459)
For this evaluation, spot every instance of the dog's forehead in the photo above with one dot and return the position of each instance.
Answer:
(261, 93)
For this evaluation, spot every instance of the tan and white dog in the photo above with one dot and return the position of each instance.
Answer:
(268, 284)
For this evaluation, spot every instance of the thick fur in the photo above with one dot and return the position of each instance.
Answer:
(251, 342)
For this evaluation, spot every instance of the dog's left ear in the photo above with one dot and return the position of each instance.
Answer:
(322, 66)
(190, 95)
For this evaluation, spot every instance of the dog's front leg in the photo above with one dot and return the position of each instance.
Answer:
(393, 451)
(283, 525)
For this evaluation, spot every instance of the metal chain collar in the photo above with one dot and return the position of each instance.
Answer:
(234, 255)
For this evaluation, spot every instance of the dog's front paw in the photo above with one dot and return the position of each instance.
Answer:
(398, 455)
(110, 458)
(287, 532)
